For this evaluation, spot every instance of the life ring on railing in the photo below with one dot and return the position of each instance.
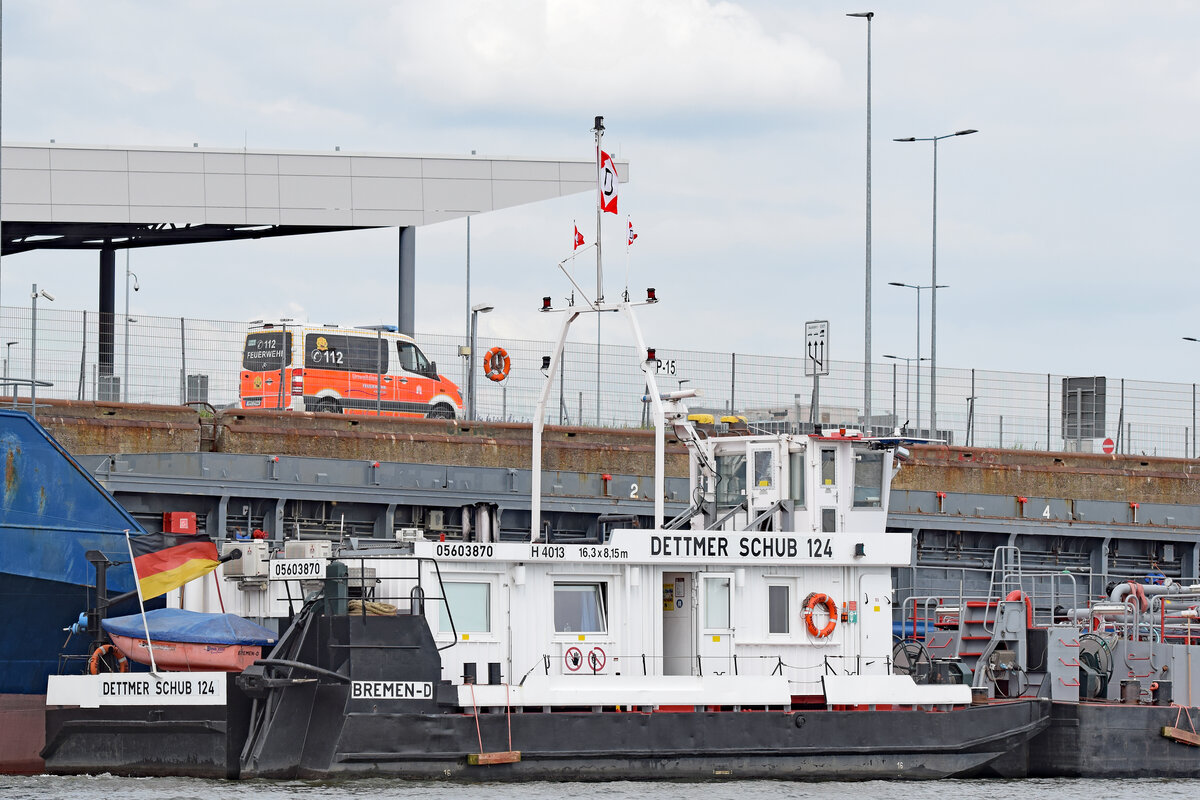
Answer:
(496, 364)
(100, 652)
(1017, 594)
(820, 599)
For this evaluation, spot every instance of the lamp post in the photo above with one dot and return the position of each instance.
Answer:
(868, 16)
(907, 365)
(933, 277)
(7, 357)
(918, 357)
(136, 287)
(33, 346)
(1187, 339)
(476, 310)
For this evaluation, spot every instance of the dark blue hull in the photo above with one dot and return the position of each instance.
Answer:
(52, 512)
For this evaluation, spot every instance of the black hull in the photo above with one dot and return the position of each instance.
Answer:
(148, 741)
(807, 745)
(813, 745)
(1095, 740)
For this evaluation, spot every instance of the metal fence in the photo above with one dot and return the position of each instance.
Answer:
(172, 360)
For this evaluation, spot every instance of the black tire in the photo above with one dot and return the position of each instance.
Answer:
(327, 405)
(440, 411)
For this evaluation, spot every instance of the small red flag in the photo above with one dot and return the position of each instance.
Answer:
(632, 235)
(578, 238)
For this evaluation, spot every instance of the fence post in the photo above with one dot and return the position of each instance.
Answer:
(1047, 410)
(83, 360)
(182, 363)
(732, 380)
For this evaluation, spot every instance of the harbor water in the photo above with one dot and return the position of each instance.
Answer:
(46, 787)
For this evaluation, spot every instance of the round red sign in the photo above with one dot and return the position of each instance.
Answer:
(1109, 445)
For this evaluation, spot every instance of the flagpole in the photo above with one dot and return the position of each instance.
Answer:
(142, 603)
(628, 244)
(599, 130)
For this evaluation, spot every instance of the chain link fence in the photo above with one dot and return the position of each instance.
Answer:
(170, 360)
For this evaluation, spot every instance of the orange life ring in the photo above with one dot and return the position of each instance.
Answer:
(100, 652)
(496, 364)
(820, 599)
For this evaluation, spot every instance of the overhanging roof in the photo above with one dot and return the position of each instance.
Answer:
(95, 197)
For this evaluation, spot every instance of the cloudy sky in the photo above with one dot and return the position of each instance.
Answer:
(1063, 225)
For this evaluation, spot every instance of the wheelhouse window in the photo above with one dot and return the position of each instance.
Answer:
(581, 608)
(731, 480)
(828, 467)
(764, 469)
(868, 479)
(796, 473)
(778, 598)
(469, 603)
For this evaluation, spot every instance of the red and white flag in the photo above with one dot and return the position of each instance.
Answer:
(608, 184)
(632, 235)
(578, 238)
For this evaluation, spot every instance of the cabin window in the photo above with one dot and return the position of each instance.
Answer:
(470, 605)
(829, 468)
(580, 608)
(731, 480)
(796, 474)
(716, 602)
(777, 609)
(764, 469)
(868, 479)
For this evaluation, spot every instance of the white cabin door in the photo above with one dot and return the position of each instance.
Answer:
(874, 610)
(678, 618)
(827, 489)
(715, 623)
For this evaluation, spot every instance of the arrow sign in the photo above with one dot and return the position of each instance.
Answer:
(816, 347)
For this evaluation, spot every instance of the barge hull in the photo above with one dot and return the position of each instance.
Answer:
(1106, 740)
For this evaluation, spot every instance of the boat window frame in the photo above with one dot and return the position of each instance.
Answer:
(875, 480)
(441, 603)
(787, 609)
(828, 456)
(706, 606)
(600, 587)
(798, 477)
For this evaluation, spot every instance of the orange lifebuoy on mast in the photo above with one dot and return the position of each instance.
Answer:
(103, 650)
(820, 599)
(496, 364)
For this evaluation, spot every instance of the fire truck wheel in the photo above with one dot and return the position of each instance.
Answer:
(328, 405)
(441, 411)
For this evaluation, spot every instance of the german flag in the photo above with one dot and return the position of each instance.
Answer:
(166, 561)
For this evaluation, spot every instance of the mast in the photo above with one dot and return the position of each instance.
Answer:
(599, 131)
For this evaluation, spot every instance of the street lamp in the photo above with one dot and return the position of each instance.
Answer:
(868, 16)
(7, 356)
(33, 346)
(918, 358)
(136, 287)
(907, 365)
(476, 310)
(933, 277)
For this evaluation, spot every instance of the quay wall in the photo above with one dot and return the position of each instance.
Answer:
(96, 428)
